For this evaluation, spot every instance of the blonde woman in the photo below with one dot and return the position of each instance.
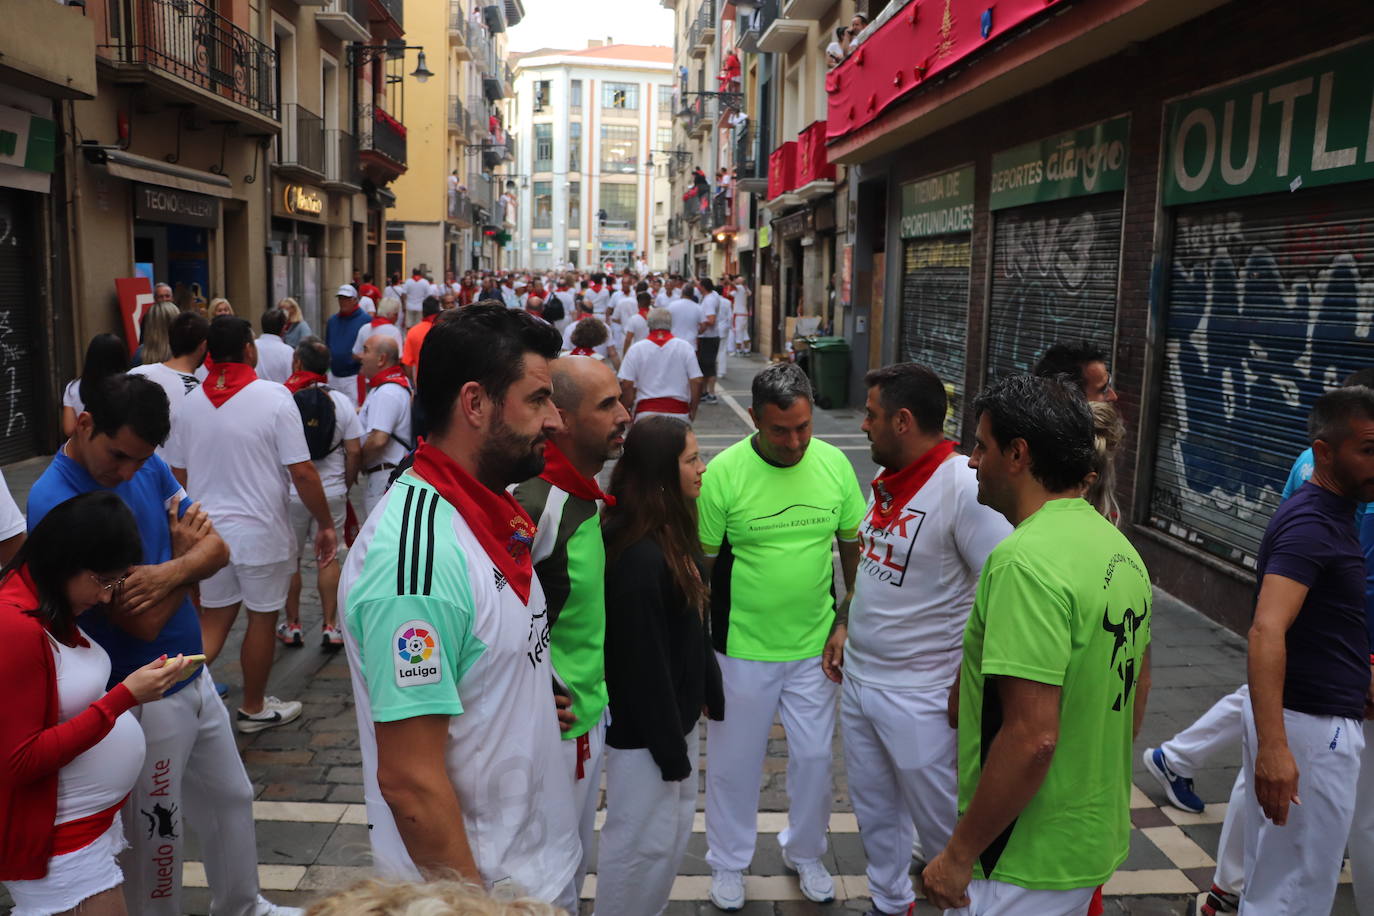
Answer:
(1100, 487)
(154, 344)
(455, 898)
(219, 307)
(296, 328)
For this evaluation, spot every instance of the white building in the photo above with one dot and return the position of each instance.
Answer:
(595, 128)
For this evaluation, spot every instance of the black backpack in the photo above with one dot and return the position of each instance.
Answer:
(317, 414)
(553, 309)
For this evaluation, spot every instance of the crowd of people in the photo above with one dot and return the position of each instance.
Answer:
(514, 628)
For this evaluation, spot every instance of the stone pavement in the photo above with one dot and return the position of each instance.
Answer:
(312, 833)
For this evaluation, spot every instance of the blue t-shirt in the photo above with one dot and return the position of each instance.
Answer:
(1300, 474)
(1310, 540)
(148, 494)
(340, 333)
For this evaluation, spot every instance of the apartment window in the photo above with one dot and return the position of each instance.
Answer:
(619, 148)
(618, 200)
(543, 205)
(575, 95)
(543, 147)
(665, 99)
(574, 146)
(541, 95)
(574, 205)
(620, 96)
(665, 138)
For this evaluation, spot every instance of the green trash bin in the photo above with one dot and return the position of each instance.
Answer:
(829, 370)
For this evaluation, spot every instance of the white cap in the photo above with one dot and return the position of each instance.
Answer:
(347, 290)
(520, 284)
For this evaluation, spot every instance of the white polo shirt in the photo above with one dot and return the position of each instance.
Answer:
(686, 319)
(387, 408)
(386, 330)
(661, 372)
(274, 358)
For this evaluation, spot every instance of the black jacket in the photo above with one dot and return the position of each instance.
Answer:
(660, 669)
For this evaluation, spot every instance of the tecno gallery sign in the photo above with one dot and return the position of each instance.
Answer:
(1301, 126)
(1090, 160)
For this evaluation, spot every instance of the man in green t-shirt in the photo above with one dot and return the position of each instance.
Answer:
(1055, 672)
(771, 507)
(570, 560)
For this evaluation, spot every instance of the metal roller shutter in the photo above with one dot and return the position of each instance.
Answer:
(1269, 305)
(1054, 277)
(19, 421)
(934, 316)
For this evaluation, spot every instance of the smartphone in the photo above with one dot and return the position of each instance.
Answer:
(193, 663)
(191, 660)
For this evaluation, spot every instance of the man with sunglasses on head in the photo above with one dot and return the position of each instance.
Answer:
(192, 763)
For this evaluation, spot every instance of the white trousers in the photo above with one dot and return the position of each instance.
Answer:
(1361, 844)
(587, 790)
(1230, 871)
(648, 824)
(192, 772)
(1292, 870)
(347, 385)
(997, 898)
(754, 693)
(374, 488)
(901, 758)
(1219, 727)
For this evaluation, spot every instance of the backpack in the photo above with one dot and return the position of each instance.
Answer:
(553, 309)
(317, 414)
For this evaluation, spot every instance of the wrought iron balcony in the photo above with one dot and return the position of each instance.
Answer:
(458, 119)
(301, 145)
(379, 132)
(190, 42)
(702, 32)
(341, 158)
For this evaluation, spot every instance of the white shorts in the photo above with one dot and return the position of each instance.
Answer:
(303, 524)
(73, 877)
(260, 588)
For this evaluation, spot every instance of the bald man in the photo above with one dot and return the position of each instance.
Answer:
(570, 560)
(385, 415)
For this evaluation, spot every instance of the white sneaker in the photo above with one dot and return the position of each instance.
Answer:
(266, 907)
(816, 883)
(274, 712)
(727, 889)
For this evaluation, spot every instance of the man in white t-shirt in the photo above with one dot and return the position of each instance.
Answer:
(715, 316)
(385, 416)
(896, 649)
(416, 289)
(660, 375)
(687, 315)
(740, 314)
(388, 313)
(623, 304)
(274, 354)
(564, 293)
(636, 323)
(233, 436)
(338, 469)
(660, 292)
(176, 376)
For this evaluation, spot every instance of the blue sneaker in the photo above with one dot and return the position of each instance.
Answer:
(1179, 789)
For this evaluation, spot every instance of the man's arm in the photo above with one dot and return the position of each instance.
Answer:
(153, 593)
(696, 397)
(1142, 694)
(373, 447)
(414, 782)
(832, 657)
(1016, 765)
(311, 492)
(1276, 773)
(353, 461)
(627, 395)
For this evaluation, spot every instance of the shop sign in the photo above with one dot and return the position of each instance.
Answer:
(795, 225)
(765, 236)
(617, 246)
(26, 140)
(542, 246)
(1090, 160)
(1307, 125)
(168, 205)
(302, 201)
(938, 205)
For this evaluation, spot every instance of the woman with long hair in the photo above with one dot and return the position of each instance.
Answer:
(106, 355)
(1100, 487)
(660, 669)
(297, 329)
(154, 341)
(71, 748)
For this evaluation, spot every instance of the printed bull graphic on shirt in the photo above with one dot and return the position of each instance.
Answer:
(1123, 662)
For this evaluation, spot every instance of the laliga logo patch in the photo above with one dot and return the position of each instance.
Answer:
(418, 654)
(521, 539)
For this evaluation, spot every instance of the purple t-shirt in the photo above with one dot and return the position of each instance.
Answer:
(1311, 541)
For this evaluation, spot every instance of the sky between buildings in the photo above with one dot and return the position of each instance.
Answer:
(571, 23)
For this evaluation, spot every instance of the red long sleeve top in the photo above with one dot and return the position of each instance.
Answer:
(33, 746)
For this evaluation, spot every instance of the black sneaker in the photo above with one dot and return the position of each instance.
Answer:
(1219, 901)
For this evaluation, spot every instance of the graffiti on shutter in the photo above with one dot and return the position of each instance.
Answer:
(935, 314)
(1054, 277)
(18, 287)
(1269, 305)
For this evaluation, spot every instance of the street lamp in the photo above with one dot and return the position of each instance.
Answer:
(422, 73)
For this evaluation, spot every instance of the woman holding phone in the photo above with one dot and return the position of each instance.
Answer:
(71, 750)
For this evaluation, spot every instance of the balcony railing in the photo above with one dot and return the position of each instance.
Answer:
(396, 10)
(676, 231)
(301, 144)
(458, 118)
(341, 157)
(702, 31)
(458, 20)
(378, 132)
(722, 211)
(459, 207)
(189, 40)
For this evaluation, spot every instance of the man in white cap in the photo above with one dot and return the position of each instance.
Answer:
(340, 331)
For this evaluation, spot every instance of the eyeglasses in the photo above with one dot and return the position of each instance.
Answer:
(109, 583)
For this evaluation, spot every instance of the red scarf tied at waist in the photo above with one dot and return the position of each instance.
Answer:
(892, 490)
(304, 379)
(559, 471)
(226, 380)
(391, 374)
(498, 522)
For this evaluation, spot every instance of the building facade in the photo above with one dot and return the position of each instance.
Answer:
(449, 213)
(592, 171)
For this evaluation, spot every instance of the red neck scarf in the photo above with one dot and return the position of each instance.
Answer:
(892, 490)
(396, 373)
(304, 379)
(559, 471)
(660, 337)
(379, 320)
(226, 380)
(498, 522)
(582, 351)
(643, 313)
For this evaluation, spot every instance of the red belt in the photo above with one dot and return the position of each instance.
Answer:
(662, 405)
(84, 831)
